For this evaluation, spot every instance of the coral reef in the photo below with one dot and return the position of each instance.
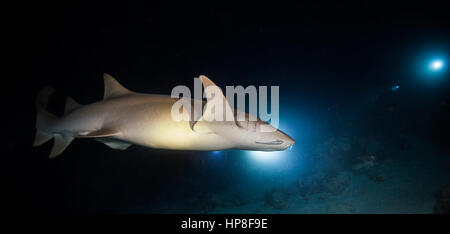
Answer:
(236, 198)
(346, 208)
(381, 172)
(364, 163)
(210, 202)
(333, 183)
(204, 202)
(309, 184)
(338, 184)
(274, 198)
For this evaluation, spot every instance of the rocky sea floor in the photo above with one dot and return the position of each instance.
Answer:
(409, 182)
(398, 187)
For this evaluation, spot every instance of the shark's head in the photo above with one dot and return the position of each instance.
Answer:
(248, 133)
(260, 135)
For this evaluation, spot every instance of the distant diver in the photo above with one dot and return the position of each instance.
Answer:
(124, 118)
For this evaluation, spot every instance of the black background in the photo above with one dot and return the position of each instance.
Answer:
(331, 52)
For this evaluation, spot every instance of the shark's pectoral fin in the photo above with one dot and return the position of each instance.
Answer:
(100, 133)
(200, 126)
(115, 144)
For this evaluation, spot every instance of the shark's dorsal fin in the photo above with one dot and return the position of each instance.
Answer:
(210, 87)
(215, 99)
(113, 88)
(100, 133)
(71, 105)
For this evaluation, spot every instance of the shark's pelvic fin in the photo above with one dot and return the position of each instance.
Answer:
(71, 105)
(100, 133)
(60, 144)
(113, 88)
(115, 144)
(41, 138)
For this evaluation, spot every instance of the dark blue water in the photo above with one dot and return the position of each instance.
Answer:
(362, 146)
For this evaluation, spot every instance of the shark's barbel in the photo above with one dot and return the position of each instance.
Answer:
(124, 118)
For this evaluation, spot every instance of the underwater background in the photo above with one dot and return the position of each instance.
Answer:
(361, 92)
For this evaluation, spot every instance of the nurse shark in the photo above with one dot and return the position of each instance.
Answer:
(124, 118)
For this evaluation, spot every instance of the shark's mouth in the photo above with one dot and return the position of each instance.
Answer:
(276, 142)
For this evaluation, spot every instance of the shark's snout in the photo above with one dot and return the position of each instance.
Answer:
(288, 141)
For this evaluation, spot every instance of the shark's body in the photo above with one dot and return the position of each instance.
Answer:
(142, 119)
(124, 117)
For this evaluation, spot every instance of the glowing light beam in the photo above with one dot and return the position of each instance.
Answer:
(436, 65)
(267, 157)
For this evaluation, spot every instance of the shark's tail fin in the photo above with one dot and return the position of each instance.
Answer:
(44, 122)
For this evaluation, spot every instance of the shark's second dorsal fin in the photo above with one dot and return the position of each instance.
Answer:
(113, 88)
(71, 105)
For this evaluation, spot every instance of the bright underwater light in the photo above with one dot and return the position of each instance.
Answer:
(267, 157)
(216, 154)
(432, 67)
(436, 65)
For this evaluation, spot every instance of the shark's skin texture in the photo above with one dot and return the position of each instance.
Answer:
(125, 117)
